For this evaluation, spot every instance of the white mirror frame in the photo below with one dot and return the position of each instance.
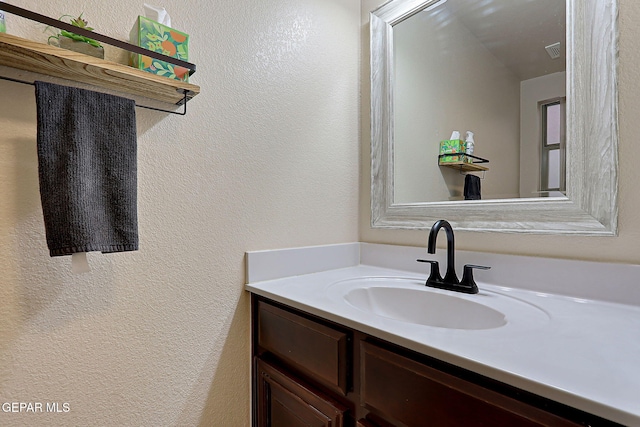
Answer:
(590, 206)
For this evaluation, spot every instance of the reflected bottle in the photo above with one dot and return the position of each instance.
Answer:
(469, 143)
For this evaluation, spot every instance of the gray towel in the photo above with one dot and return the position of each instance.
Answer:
(472, 187)
(87, 166)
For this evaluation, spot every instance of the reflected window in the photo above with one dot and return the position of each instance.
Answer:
(552, 160)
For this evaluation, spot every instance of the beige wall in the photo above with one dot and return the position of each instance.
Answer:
(439, 93)
(267, 157)
(624, 248)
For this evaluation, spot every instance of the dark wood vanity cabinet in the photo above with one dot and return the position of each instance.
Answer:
(311, 372)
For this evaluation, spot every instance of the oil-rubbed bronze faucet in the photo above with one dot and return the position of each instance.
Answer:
(450, 280)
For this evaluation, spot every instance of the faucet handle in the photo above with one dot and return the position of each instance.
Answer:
(435, 270)
(467, 276)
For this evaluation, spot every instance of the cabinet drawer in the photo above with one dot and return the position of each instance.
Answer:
(408, 393)
(310, 347)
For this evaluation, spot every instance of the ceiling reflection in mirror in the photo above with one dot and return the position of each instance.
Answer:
(495, 68)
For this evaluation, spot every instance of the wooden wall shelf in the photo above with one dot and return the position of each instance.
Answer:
(49, 60)
(466, 167)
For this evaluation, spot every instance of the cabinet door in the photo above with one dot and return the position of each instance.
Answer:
(408, 393)
(283, 401)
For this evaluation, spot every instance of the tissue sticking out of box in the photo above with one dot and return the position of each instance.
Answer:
(158, 14)
(455, 135)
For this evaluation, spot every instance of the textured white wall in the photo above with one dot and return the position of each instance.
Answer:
(267, 157)
(624, 248)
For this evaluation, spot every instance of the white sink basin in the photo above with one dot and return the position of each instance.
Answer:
(425, 308)
(410, 301)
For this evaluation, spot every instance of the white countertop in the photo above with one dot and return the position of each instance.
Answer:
(578, 351)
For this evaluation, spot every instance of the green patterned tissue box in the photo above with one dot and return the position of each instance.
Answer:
(452, 146)
(159, 38)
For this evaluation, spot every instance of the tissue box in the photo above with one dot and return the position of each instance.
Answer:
(154, 36)
(451, 146)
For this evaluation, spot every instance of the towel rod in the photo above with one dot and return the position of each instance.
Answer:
(180, 113)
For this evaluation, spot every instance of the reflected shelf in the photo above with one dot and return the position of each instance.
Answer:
(465, 166)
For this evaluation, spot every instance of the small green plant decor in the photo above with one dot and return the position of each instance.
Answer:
(68, 40)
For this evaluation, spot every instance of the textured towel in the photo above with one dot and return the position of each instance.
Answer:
(472, 187)
(87, 167)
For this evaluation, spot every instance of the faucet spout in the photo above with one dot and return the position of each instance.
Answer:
(450, 276)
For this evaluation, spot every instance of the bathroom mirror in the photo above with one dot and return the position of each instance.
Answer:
(585, 203)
